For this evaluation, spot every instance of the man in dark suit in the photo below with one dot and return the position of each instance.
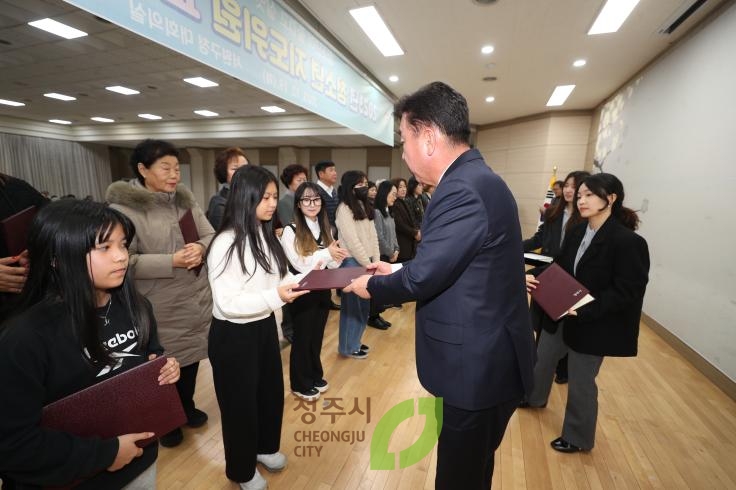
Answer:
(474, 345)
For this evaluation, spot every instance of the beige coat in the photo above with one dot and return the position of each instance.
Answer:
(181, 300)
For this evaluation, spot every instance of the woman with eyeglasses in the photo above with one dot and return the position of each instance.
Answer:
(308, 243)
(354, 219)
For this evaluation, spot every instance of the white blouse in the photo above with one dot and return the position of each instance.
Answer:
(302, 263)
(236, 297)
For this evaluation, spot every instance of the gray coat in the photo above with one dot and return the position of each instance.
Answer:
(182, 302)
(386, 231)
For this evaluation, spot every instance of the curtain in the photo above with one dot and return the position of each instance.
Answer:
(57, 166)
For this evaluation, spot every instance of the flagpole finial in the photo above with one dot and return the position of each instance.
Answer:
(554, 170)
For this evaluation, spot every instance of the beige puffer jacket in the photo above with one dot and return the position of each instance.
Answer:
(181, 300)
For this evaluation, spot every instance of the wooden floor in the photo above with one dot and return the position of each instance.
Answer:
(661, 425)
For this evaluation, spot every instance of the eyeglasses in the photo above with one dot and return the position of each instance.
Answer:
(311, 202)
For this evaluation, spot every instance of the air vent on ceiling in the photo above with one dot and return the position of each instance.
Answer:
(680, 15)
(490, 79)
(484, 2)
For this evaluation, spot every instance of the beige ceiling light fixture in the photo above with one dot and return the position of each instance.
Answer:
(377, 31)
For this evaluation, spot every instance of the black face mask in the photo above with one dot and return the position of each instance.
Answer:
(361, 193)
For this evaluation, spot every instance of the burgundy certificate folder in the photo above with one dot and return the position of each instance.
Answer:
(15, 230)
(558, 292)
(128, 403)
(318, 280)
(190, 233)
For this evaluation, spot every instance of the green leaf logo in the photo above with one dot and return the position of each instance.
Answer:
(381, 459)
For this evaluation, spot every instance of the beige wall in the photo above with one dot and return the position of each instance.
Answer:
(525, 152)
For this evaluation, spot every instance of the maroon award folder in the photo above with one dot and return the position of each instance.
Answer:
(318, 280)
(15, 230)
(558, 292)
(128, 403)
(190, 233)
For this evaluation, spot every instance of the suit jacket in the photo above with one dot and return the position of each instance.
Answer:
(547, 238)
(615, 270)
(474, 343)
(216, 208)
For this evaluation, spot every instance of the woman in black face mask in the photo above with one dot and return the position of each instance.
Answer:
(354, 219)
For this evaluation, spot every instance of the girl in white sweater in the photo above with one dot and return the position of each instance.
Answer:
(248, 276)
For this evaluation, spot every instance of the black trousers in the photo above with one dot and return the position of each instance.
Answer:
(186, 385)
(249, 384)
(309, 314)
(467, 442)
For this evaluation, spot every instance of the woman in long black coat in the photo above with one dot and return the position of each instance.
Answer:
(407, 234)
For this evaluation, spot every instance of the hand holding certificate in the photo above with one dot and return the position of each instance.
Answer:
(557, 292)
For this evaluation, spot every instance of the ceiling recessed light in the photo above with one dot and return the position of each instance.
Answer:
(490, 98)
(393, 78)
(102, 119)
(149, 116)
(54, 95)
(54, 27)
(487, 49)
(377, 31)
(59, 121)
(11, 103)
(579, 63)
(206, 113)
(201, 82)
(272, 108)
(122, 90)
(560, 95)
(613, 14)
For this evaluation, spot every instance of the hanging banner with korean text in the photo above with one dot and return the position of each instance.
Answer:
(263, 44)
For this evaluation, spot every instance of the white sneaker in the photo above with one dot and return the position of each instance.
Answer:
(272, 462)
(255, 483)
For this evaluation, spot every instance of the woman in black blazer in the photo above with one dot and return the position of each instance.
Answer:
(608, 258)
(558, 219)
(406, 233)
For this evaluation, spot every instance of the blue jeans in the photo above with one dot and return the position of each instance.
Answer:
(354, 312)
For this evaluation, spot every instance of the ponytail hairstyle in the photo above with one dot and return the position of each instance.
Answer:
(360, 206)
(304, 242)
(247, 187)
(60, 239)
(604, 185)
(554, 212)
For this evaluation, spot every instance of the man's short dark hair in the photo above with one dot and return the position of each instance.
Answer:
(323, 165)
(440, 105)
(222, 159)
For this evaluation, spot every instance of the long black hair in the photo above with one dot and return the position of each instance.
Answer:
(247, 188)
(604, 185)
(360, 207)
(61, 236)
(384, 189)
(552, 213)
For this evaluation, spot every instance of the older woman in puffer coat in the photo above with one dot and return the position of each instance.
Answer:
(164, 267)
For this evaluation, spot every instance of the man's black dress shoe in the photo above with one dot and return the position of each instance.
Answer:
(563, 446)
(196, 418)
(334, 306)
(378, 322)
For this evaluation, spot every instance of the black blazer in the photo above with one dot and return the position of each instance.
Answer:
(474, 345)
(547, 238)
(405, 230)
(615, 269)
